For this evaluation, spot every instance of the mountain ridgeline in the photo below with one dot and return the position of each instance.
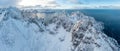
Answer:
(51, 30)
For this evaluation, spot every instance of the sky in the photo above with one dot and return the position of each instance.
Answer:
(58, 3)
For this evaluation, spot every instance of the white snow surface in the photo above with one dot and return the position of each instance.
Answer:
(29, 30)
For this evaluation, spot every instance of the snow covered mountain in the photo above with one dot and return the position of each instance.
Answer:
(50, 30)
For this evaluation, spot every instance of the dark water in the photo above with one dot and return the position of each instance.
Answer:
(110, 18)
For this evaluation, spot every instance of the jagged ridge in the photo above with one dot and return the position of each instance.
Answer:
(39, 30)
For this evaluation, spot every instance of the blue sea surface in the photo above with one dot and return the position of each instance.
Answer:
(110, 18)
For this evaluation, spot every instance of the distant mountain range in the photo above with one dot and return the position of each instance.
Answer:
(75, 7)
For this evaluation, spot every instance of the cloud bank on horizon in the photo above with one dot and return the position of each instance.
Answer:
(58, 3)
(9, 2)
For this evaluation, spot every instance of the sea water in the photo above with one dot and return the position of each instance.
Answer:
(110, 18)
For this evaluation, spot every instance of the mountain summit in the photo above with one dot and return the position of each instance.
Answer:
(51, 30)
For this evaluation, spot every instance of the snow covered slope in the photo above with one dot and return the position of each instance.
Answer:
(47, 30)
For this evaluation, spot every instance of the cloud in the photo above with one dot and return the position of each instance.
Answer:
(52, 2)
(75, 1)
(8, 2)
(38, 2)
(57, 3)
(95, 2)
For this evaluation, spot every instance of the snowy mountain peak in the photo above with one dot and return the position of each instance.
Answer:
(87, 36)
(41, 30)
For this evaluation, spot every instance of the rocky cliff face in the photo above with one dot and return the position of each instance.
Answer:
(50, 30)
